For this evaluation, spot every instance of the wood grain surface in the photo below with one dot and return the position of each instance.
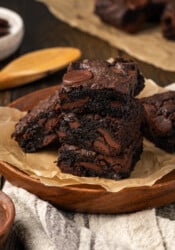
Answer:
(94, 200)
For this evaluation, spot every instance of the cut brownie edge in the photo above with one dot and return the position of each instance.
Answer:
(85, 163)
(38, 127)
(105, 135)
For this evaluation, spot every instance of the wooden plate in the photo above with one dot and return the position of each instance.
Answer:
(7, 214)
(88, 198)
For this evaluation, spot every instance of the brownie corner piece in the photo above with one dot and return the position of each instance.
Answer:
(130, 68)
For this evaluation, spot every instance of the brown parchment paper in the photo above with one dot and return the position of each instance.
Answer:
(154, 163)
(148, 46)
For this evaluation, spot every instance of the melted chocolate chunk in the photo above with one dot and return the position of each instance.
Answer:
(72, 77)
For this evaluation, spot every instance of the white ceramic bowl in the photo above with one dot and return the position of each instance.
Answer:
(10, 42)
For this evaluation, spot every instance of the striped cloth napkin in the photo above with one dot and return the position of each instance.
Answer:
(40, 226)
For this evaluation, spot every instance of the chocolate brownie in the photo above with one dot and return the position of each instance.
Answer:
(81, 162)
(132, 16)
(168, 21)
(94, 112)
(159, 124)
(106, 135)
(127, 15)
(38, 127)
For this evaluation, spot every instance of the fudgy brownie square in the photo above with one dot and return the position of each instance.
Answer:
(159, 125)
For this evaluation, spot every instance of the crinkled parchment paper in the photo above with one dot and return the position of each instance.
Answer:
(148, 46)
(154, 163)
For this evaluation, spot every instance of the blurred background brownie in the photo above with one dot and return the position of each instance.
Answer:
(126, 15)
(159, 124)
(168, 21)
(132, 16)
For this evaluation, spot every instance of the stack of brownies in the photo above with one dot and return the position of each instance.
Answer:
(94, 119)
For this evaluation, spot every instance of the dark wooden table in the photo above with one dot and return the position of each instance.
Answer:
(44, 30)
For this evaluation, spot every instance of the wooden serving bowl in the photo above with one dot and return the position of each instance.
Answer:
(89, 198)
(7, 215)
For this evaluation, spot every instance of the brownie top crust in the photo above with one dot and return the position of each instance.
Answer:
(120, 75)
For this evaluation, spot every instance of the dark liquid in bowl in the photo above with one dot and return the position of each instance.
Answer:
(4, 27)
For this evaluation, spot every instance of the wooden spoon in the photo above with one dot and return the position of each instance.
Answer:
(35, 65)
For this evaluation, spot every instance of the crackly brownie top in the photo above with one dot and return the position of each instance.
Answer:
(120, 75)
(160, 111)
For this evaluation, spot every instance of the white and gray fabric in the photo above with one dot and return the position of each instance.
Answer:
(40, 226)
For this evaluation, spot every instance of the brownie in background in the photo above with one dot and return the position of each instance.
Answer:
(126, 15)
(168, 21)
(133, 16)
